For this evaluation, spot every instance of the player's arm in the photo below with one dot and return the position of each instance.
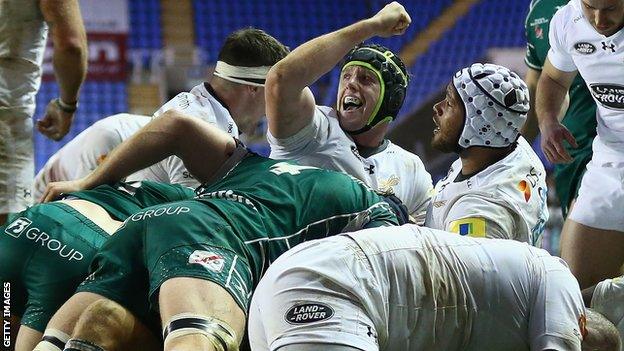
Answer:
(477, 217)
(201, 146)
(552, 89)
(69, 61)
(530, 129)
(290, 104)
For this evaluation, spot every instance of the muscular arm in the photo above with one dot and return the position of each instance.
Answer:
(552, 89)
(290, 104)
(530, 129)
(202, 147)
(70, 45)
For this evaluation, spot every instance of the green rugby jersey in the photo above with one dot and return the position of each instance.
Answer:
(122, 199)
(291, 204)
(580, 118)
(46, 249)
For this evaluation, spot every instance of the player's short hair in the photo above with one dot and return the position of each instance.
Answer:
(602, 334)
(252, 47)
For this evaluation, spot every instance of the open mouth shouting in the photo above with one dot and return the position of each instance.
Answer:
(436, 130)
(351, 103)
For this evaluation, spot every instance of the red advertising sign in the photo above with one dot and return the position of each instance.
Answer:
(107, 57)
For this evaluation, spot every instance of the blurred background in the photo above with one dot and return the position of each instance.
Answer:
(142, 52)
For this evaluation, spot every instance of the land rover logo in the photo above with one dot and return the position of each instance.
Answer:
(609, 95)
(585, 48)
(308, 313)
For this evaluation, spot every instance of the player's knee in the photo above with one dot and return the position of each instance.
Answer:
(182, 330)
(103, 322)
(52, 340)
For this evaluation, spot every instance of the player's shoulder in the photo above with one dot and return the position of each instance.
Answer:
(566, 16)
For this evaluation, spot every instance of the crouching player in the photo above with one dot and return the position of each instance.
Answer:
(196, 269)
(46, 249)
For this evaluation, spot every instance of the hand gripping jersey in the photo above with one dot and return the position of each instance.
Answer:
(575, 45)
(82, 154)
(415, 288)
(47, 249)
(324, 144)
(200, 103)
(23, 34)
(507, 200)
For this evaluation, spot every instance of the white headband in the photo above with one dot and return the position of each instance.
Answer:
(244, 75)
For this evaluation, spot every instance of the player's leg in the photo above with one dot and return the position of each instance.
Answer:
(62, 323)
(109, 326)
(17, 166)
(27, 338)
(199, 277)
(592, 254)
(198, 314)
(592, 238)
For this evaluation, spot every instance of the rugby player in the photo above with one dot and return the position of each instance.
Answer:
(83, 153)
(579, 111)
(497, 187)
(46, 249)
(587, 37)
(24, 26)
(351, 138)
(233, 100)
(415, 288)
(196, 269)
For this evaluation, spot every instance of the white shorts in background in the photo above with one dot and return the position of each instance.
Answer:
(601, 196)
(17, 161)
(324, 292)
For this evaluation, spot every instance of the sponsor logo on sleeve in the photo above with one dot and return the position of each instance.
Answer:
(610, 96)
(584, 48)
(470, 226)
(308, 313)
(210, 260)
(525, 189)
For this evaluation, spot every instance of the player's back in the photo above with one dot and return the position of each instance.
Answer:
(446, 292)
(293, 203)
(122, 199)
(516, 183)
(82, 154)
(23, 35)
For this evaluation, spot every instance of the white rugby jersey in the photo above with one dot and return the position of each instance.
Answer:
(23, 34)
(324, 144)
(403, 173)
(82, 154)
(445, 292)
(506, 200)
(576, 45)
(198, 103)
(608, 300)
